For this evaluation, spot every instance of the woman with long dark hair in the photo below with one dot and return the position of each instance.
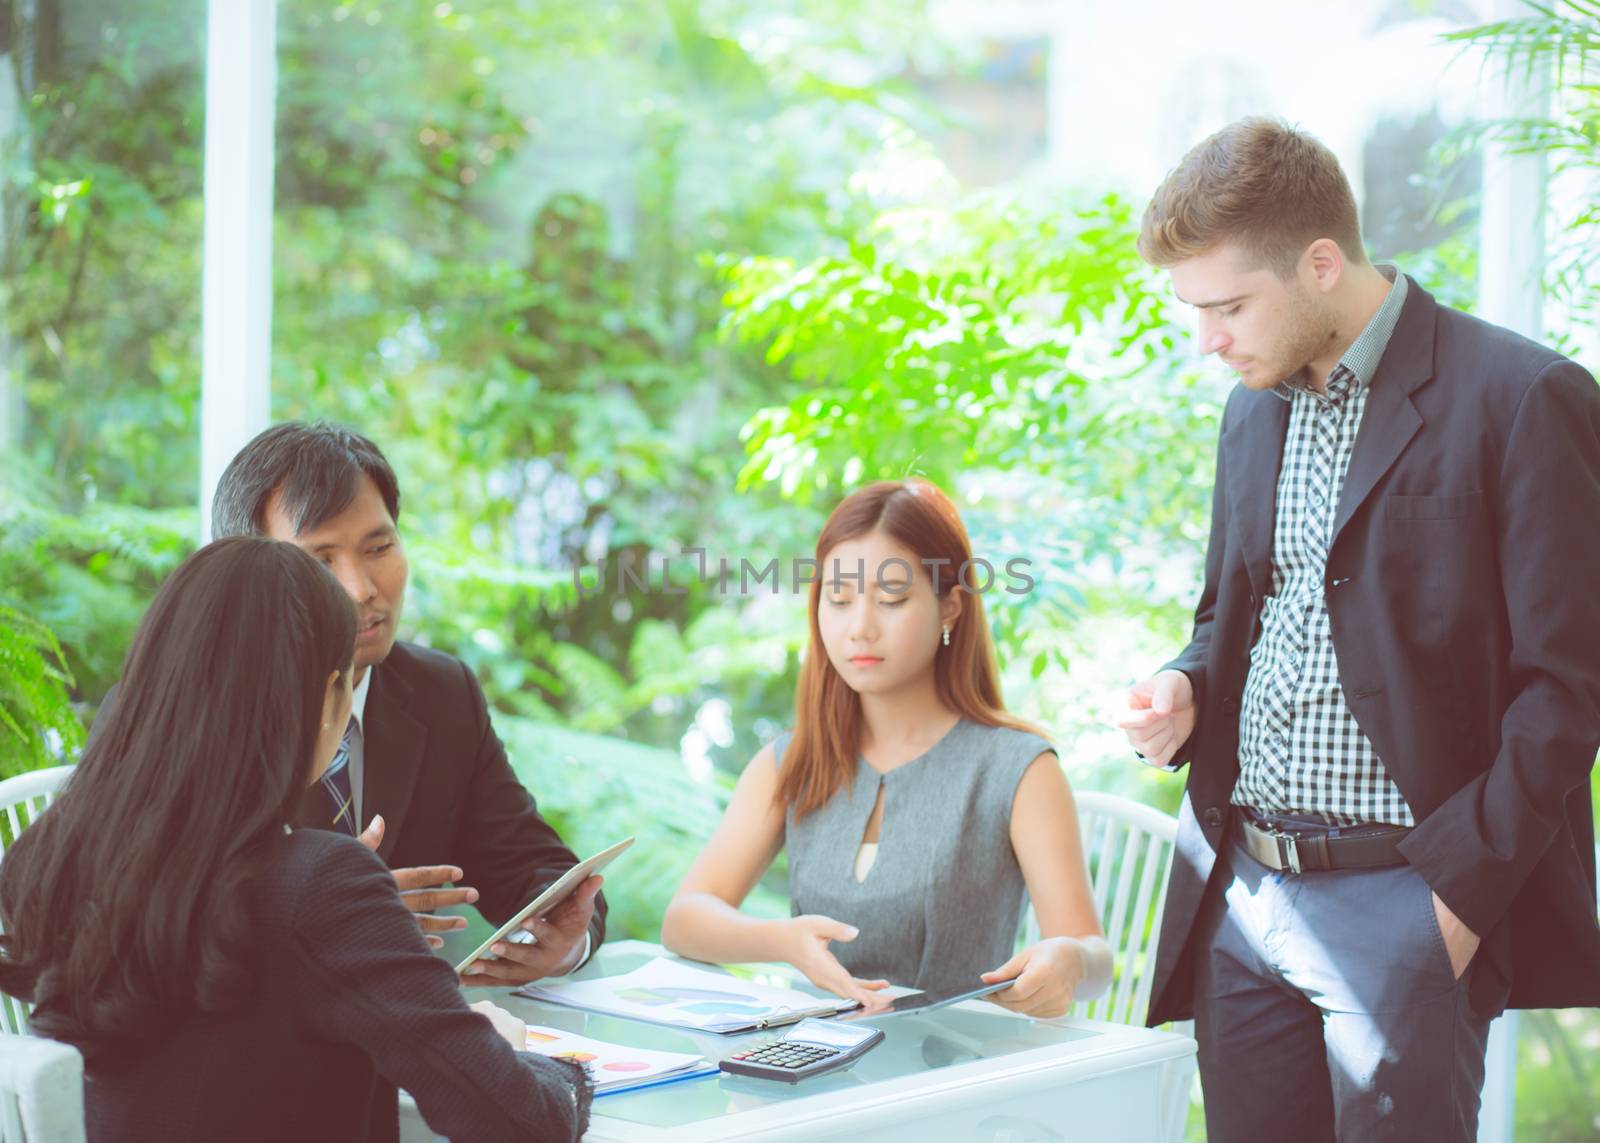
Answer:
(224, 977)
(914, 809)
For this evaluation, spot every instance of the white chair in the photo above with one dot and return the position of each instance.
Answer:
(22, 800)
(1129, 849)
(41, 1091)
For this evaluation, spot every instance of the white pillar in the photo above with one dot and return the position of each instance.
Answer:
(13, 133)
(236, 294)
(1511, 235)
(1511, 260)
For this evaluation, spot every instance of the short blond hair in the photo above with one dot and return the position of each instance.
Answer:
(1258, 182)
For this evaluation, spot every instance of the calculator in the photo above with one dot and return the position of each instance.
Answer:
(811, 1048)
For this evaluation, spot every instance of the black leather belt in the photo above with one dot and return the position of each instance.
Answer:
(1299, 851)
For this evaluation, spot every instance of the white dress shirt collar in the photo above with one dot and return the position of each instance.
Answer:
(358, 701)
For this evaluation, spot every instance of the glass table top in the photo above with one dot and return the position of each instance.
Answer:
(913, 1044)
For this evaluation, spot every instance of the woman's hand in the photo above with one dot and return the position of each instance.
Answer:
(804, 941)
(1045, 977)
(511, 1028)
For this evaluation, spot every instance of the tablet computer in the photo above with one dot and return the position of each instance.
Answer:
(557, 892)
(926, 1001)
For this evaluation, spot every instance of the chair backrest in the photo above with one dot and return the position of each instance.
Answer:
(41, 1091)
(1129, 849)
(22, 800)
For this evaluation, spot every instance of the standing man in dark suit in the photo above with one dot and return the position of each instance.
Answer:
(420, 760)
(1391, 703)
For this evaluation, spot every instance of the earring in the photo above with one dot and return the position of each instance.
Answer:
(947, 635)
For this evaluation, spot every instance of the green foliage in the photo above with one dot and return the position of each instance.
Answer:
(598, 790)
(549, 385)
(556, 382)
(1016, 351)
(941, 339)
(1558, 1084)
(1558, 43)
(85, 571)
(38, 726)
(99, 270)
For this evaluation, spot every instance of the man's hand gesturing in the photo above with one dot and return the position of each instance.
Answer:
(1160, 716)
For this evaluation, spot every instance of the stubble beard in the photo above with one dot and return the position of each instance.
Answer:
(1311, 328)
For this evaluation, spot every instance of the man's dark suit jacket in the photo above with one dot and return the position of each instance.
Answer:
(1463, 588)
(347, 1003)
(435, 769)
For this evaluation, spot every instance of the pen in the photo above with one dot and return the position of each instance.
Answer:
(780, 1020)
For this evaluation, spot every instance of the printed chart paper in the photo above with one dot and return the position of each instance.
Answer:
(667, 992)
(612, 1066)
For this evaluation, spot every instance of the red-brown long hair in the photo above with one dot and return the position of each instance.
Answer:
(827, 729)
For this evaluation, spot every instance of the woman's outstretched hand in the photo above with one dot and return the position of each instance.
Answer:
(804, 942)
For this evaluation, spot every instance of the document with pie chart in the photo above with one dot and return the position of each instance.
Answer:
(614, 1067)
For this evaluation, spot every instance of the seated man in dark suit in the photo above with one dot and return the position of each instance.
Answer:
(420, 762)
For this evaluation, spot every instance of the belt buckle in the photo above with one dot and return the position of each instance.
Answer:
(1288, 850)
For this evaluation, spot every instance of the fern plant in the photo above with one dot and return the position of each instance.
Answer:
(1562, 38)
(75, 577)
(38, 725)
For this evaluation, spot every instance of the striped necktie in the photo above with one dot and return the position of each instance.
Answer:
(336, 781)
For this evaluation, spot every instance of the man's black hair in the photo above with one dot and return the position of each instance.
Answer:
(315, 469)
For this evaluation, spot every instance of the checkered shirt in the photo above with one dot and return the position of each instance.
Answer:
(1301, 750)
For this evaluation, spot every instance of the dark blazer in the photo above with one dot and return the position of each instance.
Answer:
(436, 771)
(347, 992)
(1462, 596)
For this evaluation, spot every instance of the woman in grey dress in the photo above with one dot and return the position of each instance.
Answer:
(915, 810)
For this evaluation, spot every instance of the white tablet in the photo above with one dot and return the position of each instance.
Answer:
(549, 899)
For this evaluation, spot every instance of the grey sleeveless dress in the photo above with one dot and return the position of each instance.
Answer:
(942, 901)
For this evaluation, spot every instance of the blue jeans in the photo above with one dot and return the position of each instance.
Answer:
(1326, 1009)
